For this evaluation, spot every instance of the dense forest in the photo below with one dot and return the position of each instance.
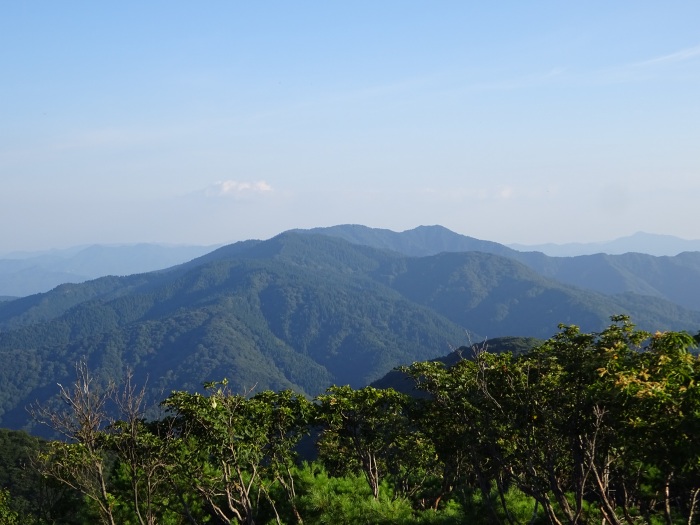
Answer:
(585, 427)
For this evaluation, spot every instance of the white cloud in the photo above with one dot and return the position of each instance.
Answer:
(232, 188)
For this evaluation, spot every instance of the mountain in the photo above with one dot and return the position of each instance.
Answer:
(293, 312)
(418, 242)
(640, 242)
(674, 279)
(498, 296)
(23, 274)
(299, 311)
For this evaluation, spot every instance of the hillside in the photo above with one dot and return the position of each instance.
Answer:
(675, 279)
(289, 313)
(297, 311)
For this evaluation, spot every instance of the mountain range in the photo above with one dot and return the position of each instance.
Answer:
(311, 308)
(27, 273)
(640, 242)
(675, 279)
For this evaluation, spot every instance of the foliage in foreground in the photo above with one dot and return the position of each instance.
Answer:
(585, 428)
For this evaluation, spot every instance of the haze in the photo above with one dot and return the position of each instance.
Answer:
(206, 123)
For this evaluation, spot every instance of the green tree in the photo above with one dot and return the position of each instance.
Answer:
(286, 418)
(8, 516)
(660, 390)
(565, 428)
(232, 449)
(465, 423)
(82, 461)
(590, 425)
(142, 453)
(363, 429)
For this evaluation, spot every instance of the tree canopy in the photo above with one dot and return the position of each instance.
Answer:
(583, 428)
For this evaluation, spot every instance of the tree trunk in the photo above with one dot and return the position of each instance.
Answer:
(549, 511)
(502, 496)
(605, 505)
(693, 504)
(667, 499)
(485, 486)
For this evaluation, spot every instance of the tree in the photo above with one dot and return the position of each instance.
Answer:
(568, 430)
(465, 422)
(660, 389)
(362, 428)
(286, 416)
(81, 462)
(590, 425)
(233, 448)
(141, 452)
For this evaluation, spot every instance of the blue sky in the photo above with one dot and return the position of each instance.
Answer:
(212, 122)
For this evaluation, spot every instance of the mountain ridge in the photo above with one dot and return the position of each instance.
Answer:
(30, 273)
(675, 279)
(638, 242)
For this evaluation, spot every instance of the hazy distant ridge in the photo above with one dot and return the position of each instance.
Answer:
(24, 274)
(640, 242)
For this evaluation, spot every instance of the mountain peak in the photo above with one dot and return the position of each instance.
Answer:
(417, 242)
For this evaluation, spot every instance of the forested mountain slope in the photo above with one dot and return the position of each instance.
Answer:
(294, 312)
(675, 279)
(297, 311)
(420, 241)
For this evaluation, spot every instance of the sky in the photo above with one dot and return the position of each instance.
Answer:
(218, 121)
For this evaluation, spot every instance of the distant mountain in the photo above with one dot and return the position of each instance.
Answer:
(497, 296)
(640, 242)
(25, 274)
(675, 279)
(418, 242)
(299, 311)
